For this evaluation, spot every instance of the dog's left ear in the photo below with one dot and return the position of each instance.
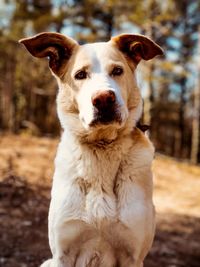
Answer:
(137, 46)
(57, 47)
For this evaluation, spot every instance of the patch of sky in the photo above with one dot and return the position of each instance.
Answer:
(73, 30)
(172, 56)
(175, 90)
(126, 27)
(174, 42)
(58, 3)
(6, 11)
(192, 8)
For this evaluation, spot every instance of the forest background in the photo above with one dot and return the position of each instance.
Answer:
(170, 85)
(30, 131)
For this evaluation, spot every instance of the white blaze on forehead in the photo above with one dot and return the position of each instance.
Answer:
(98, 56)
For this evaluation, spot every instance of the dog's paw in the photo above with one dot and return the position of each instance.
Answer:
(96, 253)
(47, 263)
(122, 242)
(124, 258)
(80, 245)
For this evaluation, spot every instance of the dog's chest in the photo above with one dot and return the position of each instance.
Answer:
(97, 173)
(89, 176)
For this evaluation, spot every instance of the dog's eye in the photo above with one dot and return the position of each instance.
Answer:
(80, 75)
(117, 71)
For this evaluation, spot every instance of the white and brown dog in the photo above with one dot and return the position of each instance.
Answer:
(101, 211)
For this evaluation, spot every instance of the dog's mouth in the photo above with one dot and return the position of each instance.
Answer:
(106, 117)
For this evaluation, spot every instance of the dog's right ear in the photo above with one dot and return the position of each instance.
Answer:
(57, 47)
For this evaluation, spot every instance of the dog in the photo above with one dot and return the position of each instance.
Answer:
(101, 211)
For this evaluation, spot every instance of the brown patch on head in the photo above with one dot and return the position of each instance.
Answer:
(56, 46)
(137, 47)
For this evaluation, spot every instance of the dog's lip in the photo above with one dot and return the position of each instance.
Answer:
(106, 121)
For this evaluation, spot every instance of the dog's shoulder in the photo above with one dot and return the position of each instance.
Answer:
(140, 138)
(142, 148)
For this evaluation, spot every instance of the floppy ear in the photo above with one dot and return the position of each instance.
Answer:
(57, 47)
(137, 46)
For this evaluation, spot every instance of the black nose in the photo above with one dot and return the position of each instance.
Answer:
(104, 99)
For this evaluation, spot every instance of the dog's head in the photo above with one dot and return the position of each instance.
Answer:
(97, 88)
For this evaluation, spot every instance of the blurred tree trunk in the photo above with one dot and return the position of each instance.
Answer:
(8, 103)
(196, 115)
(185, 53)
(182, 116)
(149, 100)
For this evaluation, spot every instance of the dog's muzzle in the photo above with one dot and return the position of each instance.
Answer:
(106, 109)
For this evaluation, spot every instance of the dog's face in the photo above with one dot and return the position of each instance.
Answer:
(97, 88)
(98, 78)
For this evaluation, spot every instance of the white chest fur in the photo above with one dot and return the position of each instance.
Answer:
(84, 181)
(85, 176)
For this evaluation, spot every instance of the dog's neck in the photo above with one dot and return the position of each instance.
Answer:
(101, 137)
(99, 143)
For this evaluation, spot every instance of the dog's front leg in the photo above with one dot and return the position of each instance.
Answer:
(67, 203)
(74, 243)
(136, 211)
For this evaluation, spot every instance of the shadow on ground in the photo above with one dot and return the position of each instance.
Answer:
(23, 225)
(177, 242)
(23, 230)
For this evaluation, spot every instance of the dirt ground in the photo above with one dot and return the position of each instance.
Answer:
(26, 167)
